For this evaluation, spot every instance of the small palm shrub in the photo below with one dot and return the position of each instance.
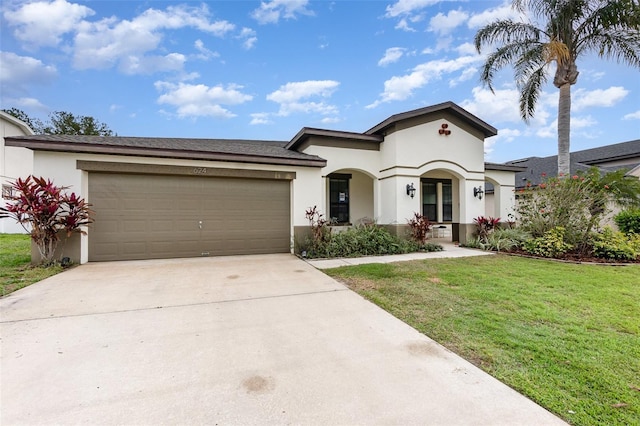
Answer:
(506, 239)
(551, 244)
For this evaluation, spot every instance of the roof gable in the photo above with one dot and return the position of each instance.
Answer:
(486, 129)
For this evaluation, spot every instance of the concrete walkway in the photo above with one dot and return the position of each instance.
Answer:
(450, 250)
(239, 340)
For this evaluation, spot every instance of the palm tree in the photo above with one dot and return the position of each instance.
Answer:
(567, 30)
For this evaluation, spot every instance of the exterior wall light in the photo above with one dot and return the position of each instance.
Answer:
(477, 192)
(443, 130)
(411, 191)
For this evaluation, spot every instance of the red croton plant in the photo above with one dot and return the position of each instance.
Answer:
(44, 209)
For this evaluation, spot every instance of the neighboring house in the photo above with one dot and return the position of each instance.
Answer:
(166, 197)
(535, 170)
(625, 155)
(14, 163)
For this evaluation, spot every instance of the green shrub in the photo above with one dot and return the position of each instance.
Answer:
(363, 240)
(628, 221)
(613, 245)
(551, 244)
(473, 242)
(506, 239)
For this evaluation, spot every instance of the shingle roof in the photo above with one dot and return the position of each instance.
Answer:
(254, 151)
(307, 132)
(579, 161)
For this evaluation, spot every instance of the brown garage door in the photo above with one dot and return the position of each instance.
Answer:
(156, 216)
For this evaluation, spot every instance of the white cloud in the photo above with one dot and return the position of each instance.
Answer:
(151, 64)
(196, 100)
(25, 103)
(260, 118)
(583, 98)
(330, 120)
(44, 23)
(126, 44)
(466, 49)
(578, 127)
(499, 107)
(502, 12)
(249, 37)
(582, 122)
(466, 75)
(205, 54)
(632, 116)
(293, 97)
(270, 12)
(399, 88)
(445, 24)
(391, 55)
(19, 73)
(404, 26)
(407, 7)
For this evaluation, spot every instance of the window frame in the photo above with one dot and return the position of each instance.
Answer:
(337, 213)
(446, 209)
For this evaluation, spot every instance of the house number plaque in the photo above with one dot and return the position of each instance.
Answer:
(199, 170)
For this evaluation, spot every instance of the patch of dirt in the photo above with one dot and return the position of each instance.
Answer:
(258, 384)
(358, 284)
(424, 349)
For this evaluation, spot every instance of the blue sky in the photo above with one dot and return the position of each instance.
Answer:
(264, 70)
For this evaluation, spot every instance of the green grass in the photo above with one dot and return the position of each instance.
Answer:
(565, 335)
(16, 271)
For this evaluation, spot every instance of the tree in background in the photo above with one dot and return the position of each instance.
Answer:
(63, 123)
(34, 124)
(44, 210)
(564, 31)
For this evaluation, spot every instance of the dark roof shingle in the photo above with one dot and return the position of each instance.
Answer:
(270, 152)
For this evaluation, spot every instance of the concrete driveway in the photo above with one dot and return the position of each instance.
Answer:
(229, 340)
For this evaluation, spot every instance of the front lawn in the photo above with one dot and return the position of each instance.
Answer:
(16, 271)
(565, 335)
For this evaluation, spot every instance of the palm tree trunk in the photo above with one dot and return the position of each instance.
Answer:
(564, 129)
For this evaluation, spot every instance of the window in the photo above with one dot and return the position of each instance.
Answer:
(437, 196)
(447, 202)
(7, 192)
(430, 201)
(339, 198)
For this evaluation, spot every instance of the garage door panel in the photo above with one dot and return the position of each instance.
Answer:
(146, 217)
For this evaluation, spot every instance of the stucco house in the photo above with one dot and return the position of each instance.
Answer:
(15, 162)
(168, 197)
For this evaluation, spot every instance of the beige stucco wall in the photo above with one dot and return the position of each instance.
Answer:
(14, 163)
(406, 155)
(501, 203)
(421, 151)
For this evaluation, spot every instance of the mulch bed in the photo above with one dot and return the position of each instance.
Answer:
(572, 257)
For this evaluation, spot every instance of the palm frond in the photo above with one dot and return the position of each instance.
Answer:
(505, 32)
(530, 92)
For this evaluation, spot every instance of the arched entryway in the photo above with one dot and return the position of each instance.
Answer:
(350, 196)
